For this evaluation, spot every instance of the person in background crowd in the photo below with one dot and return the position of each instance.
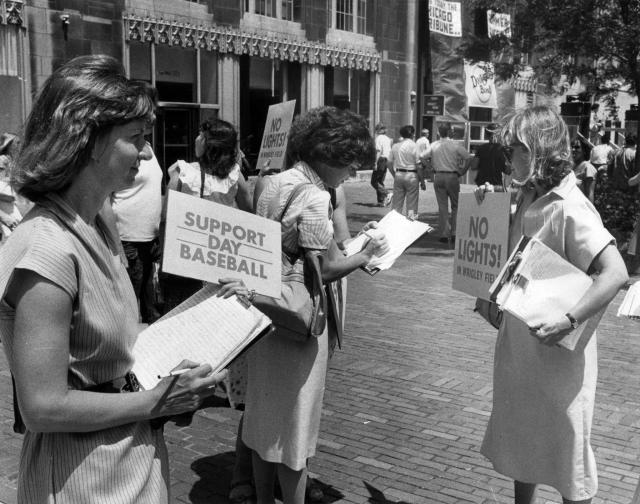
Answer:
(137, 210)
(624, 168)
(490, 161)
(10, 214)
(85, 441)
(408, 174)
(449, 161)
(422, 146)
(543, 394)
(602, 152)
(286, 377)
(585, 172)
(383, 149)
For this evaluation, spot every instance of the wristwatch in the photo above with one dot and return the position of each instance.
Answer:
(572, 320)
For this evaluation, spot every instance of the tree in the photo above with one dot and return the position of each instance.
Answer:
(597, 41)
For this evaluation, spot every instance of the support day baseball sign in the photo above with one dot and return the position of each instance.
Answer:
(209, 241)
(482, 241)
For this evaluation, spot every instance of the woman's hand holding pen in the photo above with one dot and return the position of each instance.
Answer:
(552, 331)
(376, 246)
(185, 388)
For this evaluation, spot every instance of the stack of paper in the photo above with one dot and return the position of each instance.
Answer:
(536, 281)
(205, 329)
(400, 233)
(630, 306)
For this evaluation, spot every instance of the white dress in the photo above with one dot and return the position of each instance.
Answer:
(287, 377)
(543, 397)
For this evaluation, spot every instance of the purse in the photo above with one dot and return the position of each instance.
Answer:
(489, 311)
(301, 311)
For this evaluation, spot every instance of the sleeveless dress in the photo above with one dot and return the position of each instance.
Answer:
(543, 397)
(287, 377)
(119, 465)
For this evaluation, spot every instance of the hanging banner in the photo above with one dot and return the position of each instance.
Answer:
(447, 72)
(209, 241)
(498, 24)
(276, 135)
(482, 239)
(445, 18)
(480, 86)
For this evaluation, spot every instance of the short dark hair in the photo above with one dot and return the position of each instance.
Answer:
(630, 140)
(335, 137)
(407, 131)
(79, 103)
(221, 147)
(444, 130)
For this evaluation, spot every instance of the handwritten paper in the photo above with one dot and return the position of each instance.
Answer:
(203, 329)
(630, 306)
(400, 233)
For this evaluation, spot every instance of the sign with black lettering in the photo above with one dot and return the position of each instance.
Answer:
(445, 18)
(433, 105)
(482, 241)
(209, 241)
(276, 135)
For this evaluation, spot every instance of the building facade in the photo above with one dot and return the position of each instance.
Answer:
(221, 58)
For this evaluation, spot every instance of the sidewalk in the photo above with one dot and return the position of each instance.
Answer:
(407, 398)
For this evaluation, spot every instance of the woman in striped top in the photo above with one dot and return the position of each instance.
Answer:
(68, 313)
(286, 377)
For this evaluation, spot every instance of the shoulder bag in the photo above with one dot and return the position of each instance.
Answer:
(301, 311)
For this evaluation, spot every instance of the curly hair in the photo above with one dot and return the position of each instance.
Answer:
(221, 147)
(331, 136)
(545, 135)
(79, 103)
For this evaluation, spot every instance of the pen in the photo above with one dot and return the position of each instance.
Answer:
(177, 372)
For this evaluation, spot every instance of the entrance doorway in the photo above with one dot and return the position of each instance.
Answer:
(175, 132)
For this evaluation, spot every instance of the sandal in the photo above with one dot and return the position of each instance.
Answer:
(242, 493)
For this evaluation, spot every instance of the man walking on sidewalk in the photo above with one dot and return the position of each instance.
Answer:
(383, 149)
(407, 173)
(423, 144)
(449, 160)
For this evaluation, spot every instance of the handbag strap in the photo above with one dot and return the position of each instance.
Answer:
(292, 196)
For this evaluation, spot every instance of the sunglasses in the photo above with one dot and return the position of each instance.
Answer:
(508, 150)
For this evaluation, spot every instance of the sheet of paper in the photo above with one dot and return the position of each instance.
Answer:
(204, 329)
(400, 232)
(630, 306)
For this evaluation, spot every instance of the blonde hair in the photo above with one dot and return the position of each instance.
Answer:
(545, 135)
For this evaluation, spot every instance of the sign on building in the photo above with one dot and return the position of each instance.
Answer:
(433, 105)
(480, 86)
(498, 24)
(445, 18)
(276, 135)
(482, 240)
(209, 241)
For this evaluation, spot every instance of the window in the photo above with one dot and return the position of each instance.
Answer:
(349, 15)
(288, 10)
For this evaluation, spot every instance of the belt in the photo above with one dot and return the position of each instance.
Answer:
(442, 171)
(403, 170)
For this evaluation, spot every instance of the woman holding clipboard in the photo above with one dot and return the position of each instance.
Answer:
(543, 396)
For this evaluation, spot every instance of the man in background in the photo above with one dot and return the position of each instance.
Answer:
(407, 173)
(383, 149)
(449, 161)
(490, 161)
(422, 144)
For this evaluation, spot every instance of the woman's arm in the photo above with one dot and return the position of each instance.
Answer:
(243, 198)
(334, 264)
(41, 364)
(611, 278)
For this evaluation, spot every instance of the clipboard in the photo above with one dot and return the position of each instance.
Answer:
(536, 281)
(400, 232)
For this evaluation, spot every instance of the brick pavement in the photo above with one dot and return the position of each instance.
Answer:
(407, 398)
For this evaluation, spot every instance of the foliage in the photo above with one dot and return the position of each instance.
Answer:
(594, 40)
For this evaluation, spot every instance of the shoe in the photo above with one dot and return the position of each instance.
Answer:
(381, 204)
(387, 200)
(242, 493)
(313, 491)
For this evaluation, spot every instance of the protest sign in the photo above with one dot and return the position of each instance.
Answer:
(209, 241)
(276, 135)
(482, 241)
